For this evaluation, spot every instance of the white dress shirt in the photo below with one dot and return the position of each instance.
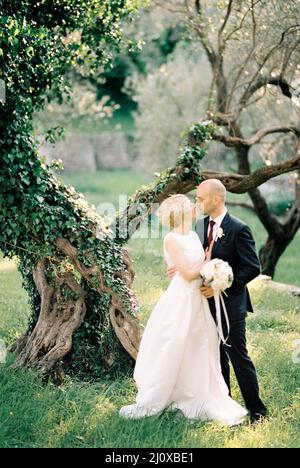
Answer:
(218, 220)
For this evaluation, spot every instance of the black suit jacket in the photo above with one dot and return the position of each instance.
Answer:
(237, 247)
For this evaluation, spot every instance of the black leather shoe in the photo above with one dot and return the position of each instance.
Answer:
(256, 418)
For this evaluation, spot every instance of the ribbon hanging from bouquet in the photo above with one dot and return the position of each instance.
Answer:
(219, 298)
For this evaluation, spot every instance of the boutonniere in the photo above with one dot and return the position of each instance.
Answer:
(220, 233)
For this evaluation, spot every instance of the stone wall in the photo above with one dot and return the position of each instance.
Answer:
(91, 152)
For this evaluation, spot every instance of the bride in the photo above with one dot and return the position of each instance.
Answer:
(178, 363)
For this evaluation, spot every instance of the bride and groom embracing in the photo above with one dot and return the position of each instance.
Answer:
(183, 360)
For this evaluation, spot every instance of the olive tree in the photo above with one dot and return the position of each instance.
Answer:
(83, 312)
(252, 52)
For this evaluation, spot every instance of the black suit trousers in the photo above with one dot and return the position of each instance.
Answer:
(235, 351)
(243, 367)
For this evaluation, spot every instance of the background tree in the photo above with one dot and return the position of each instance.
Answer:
(154, 38)
(270, 58)
(172, 89)
(249, 77)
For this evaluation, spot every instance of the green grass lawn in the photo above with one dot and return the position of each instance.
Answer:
(76, 414)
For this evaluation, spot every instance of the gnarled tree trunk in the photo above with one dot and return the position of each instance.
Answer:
(59, 317)
(281, 236)
(62, 311)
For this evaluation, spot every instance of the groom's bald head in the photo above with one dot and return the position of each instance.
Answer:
(211, 197)
(214, 187)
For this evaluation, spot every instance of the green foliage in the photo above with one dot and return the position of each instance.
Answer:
(36, 51)
(195, 147)
(94, 345)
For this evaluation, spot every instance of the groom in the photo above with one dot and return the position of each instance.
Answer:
(233, 243)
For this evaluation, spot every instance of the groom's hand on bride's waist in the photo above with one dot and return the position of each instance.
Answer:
(171, 271)
(207, 292)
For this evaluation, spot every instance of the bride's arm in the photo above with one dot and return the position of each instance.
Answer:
(179, 260)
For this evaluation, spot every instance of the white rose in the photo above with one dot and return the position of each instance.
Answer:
(220, 233)
(217, 274)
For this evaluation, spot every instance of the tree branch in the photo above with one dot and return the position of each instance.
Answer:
(247, 206)
(247, 59)
(196, 23)
(266, 58)
(238, 28)
(227, 16)
(198, 6)
(150, 198)
(215, 58)
(269, 221)
(238, 183)
(263, 81)
(235, 142)
(288, 55)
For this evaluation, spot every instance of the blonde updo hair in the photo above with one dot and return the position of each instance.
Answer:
(171, 211)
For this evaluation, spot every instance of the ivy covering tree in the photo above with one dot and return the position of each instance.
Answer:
(77, 274)
(77, 277)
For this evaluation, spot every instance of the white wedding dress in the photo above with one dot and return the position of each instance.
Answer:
(178, 363)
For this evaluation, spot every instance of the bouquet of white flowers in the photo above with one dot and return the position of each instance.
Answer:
(219, 276)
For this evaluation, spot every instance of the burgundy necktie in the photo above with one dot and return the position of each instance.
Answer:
(211, 230)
